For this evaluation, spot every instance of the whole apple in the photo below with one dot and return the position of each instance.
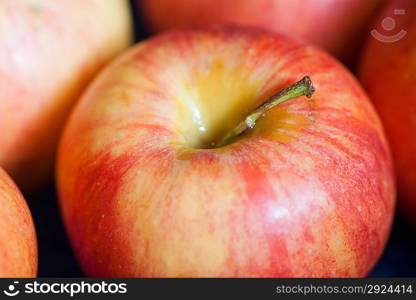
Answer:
(308, 191)
(335, 25)
(388, 72)
(18, 251)
(49, 51)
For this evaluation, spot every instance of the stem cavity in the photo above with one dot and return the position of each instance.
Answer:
(303, 87)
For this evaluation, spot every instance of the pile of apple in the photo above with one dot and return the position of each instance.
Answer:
(231, 144)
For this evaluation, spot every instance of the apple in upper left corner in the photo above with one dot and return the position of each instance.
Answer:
(49, 51)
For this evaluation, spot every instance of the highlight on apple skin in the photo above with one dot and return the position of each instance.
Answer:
(18, 251)
(338, 26)
(49, 52)
(388, 72)
(307, 192)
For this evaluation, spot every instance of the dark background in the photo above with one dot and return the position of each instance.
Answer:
(56, 258)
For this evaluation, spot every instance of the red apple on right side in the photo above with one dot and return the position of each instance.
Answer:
(388, 72)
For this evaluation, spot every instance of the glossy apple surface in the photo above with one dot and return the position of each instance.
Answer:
(49, 51)
(308, 191)
(18, 251)
(388, 72)
(338, 26)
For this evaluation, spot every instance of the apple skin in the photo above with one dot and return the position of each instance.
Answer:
(388, 72)
(337, 26)
(308, 192)
(49, 51)
(18, 251)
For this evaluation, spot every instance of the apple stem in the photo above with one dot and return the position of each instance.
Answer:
(303, 87)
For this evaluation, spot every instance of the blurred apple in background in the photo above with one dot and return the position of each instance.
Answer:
(337, 26)
(388, 72)
(18, 251)
(49, 51)
(309, 191)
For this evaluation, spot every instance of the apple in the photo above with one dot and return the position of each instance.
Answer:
(335, 25)
(49, 51)
(18, 251)
(152, 183)
(388, 72)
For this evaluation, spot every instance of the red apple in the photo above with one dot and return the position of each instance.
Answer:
(309, 191)
(18, 251)
(49, 51)
(335, 25)
(388, 72)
